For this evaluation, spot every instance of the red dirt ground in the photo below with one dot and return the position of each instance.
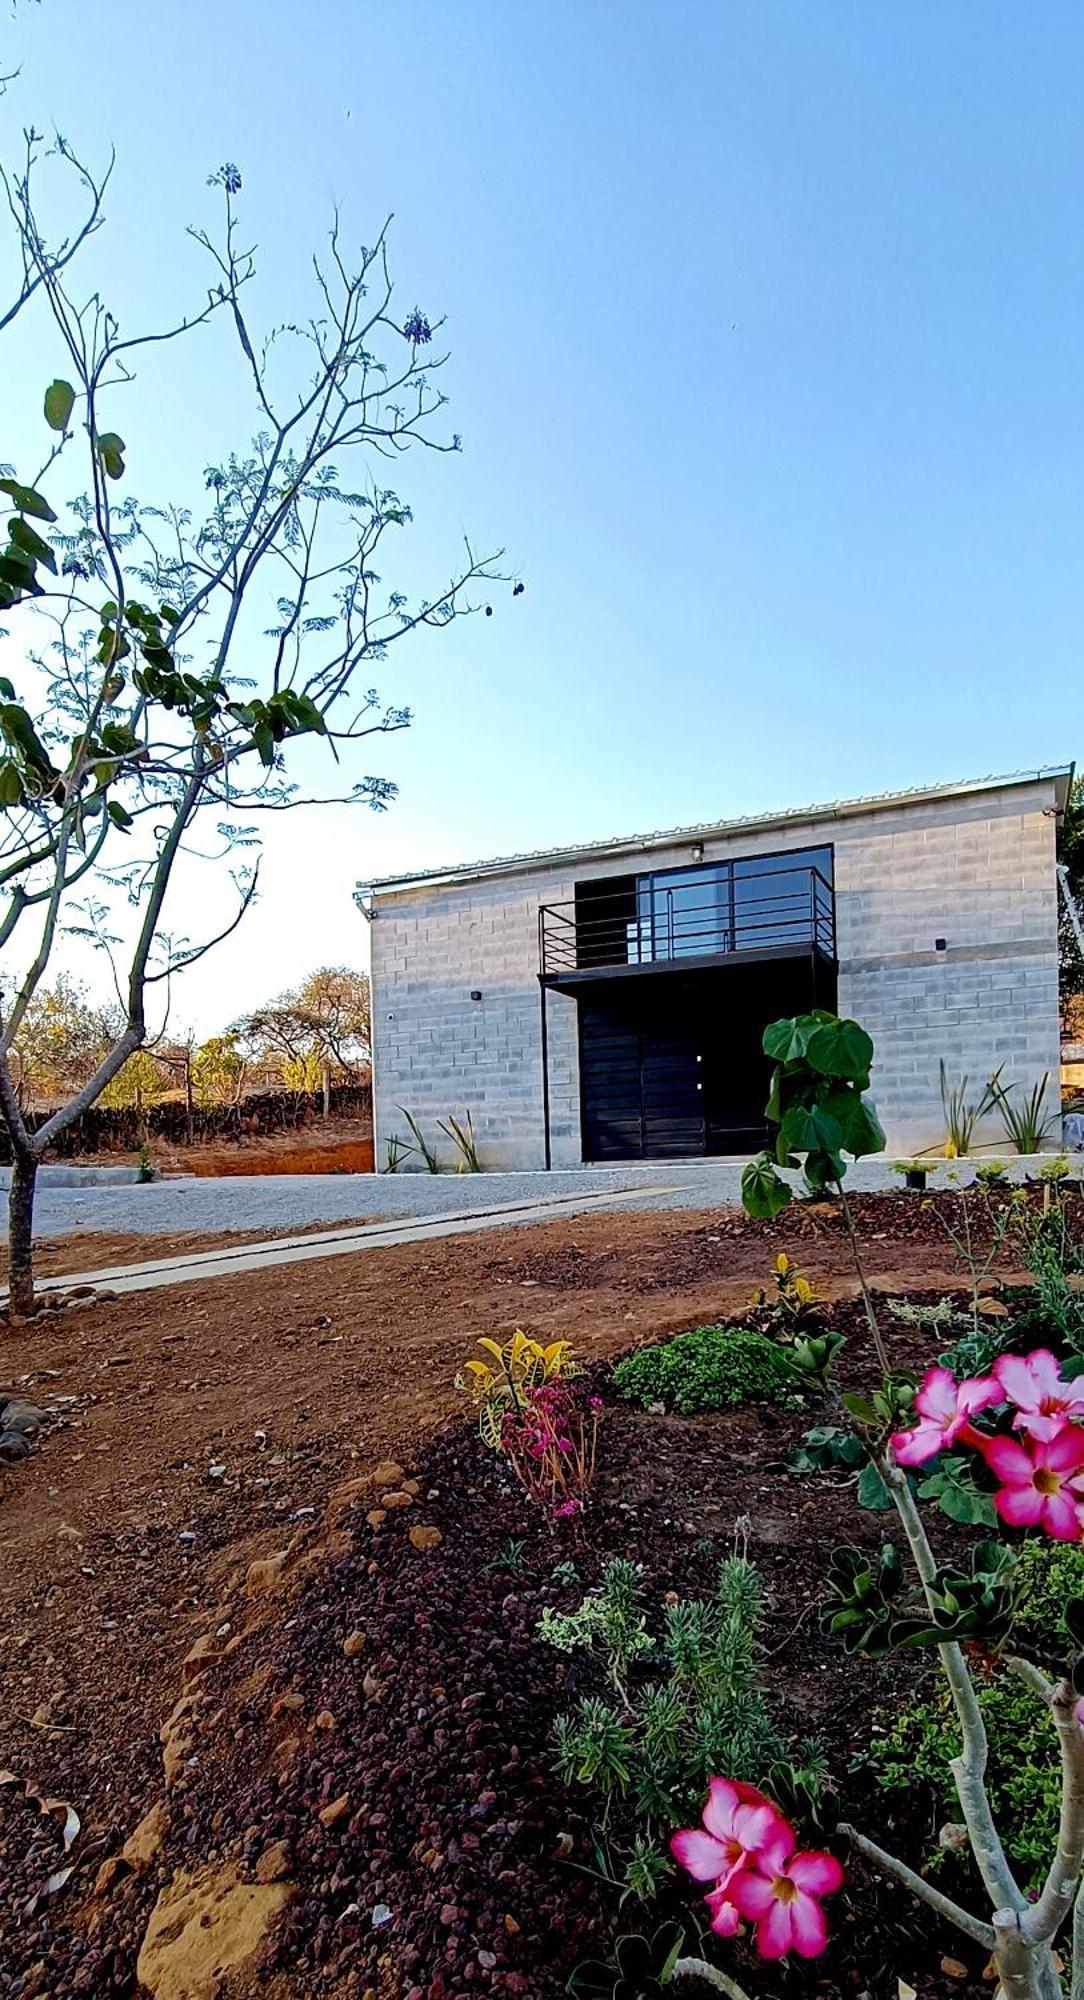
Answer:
(201, 1427)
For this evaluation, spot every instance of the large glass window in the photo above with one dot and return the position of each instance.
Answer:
(745, 905)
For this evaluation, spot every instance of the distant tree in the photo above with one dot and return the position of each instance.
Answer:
(142, 1081)
(320, 1030)
(62, 1038)
(169, 660)
(218, 1071)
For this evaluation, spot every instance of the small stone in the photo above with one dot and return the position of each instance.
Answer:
(412, 1487)
(388, 1473)
(390, 1501)
(375, 1516)
(325, 1720)
(487, 1960)
(511, 1926)
(449, 1914)
(264, 1574)
(107, 1874)
(285, 1704)
(354, 1643)
(953, 1968)
(142, 1846)
(423, 1537)
(274, 1863)
(381, 1915)
(337, 1810)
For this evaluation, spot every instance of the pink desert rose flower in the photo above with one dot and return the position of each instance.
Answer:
(1042, 1486)
(1043, 1400)
(780, 1892)
(738, 1823)
(945, 1409)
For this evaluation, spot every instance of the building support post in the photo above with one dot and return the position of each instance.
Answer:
(545, 1074)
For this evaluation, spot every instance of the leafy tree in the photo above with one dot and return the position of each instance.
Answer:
(169, 659)
(218, 1071)
(140, 1082)
(62, 1039)
(320, 1030)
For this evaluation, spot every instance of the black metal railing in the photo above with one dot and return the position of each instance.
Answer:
(663, 922)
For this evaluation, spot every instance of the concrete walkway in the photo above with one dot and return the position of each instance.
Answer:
(236, 1259)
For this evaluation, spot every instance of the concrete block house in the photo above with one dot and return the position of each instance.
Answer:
(605, 1003)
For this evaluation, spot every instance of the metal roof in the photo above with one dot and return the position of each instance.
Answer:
(1059, 774)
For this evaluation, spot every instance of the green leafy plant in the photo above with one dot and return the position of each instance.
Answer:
(962, 1114)
(789, 1304)
(689, 1703)
(1028, 1122)
(914, 1172)
(516, 1367)
(931, 1318)
(461, 1135)
(992, 1173)
(145, 1168)
(822, 1067)
(922, 1738)
(613, 1618)
(395, 1152)
(708, 1368)
(640, 1969)
(421, 1143)
(827, 1448)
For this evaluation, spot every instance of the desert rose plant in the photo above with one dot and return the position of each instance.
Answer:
(1025, 1423)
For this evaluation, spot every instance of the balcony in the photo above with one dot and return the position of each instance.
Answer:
(684, 920)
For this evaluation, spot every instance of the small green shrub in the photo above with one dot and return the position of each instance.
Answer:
(975, 1352)
(1022, 1777)
(1050, 1576)
(708, 1368)
(647, 1756)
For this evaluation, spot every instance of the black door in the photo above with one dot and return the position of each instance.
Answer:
(641, 1078)
(672, 1065)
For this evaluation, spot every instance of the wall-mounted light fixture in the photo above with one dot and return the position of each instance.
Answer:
(698, 850)
(940, 944)
(476, 993)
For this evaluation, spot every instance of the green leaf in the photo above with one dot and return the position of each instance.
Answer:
(111, 450)
(841, 1048)
(11, 785)
(810, 1129)
(27, 500)
(59, 404)
(119, 816)
(873, 1494)
(28, 538)
(787, 1041)
(859, 1408)
(763, 1193)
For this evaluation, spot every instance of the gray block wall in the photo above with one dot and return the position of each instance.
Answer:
(976, 869)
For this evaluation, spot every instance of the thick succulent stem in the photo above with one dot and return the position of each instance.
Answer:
(972, 1927)
(698, 1968)
(969, 1769)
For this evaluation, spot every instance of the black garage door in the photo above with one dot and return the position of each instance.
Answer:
(671, 1065)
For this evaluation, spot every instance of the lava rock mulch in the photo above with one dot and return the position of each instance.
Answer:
(389, 1745)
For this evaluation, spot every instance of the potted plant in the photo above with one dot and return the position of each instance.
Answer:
(914, 1173)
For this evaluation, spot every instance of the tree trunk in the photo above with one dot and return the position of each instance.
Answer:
(24, 1173)
(326, 1083)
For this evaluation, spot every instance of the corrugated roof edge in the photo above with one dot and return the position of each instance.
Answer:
(1061, 775)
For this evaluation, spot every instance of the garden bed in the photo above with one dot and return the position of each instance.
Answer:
(395, 1735)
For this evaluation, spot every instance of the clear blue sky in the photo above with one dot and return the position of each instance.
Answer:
(767, 342)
